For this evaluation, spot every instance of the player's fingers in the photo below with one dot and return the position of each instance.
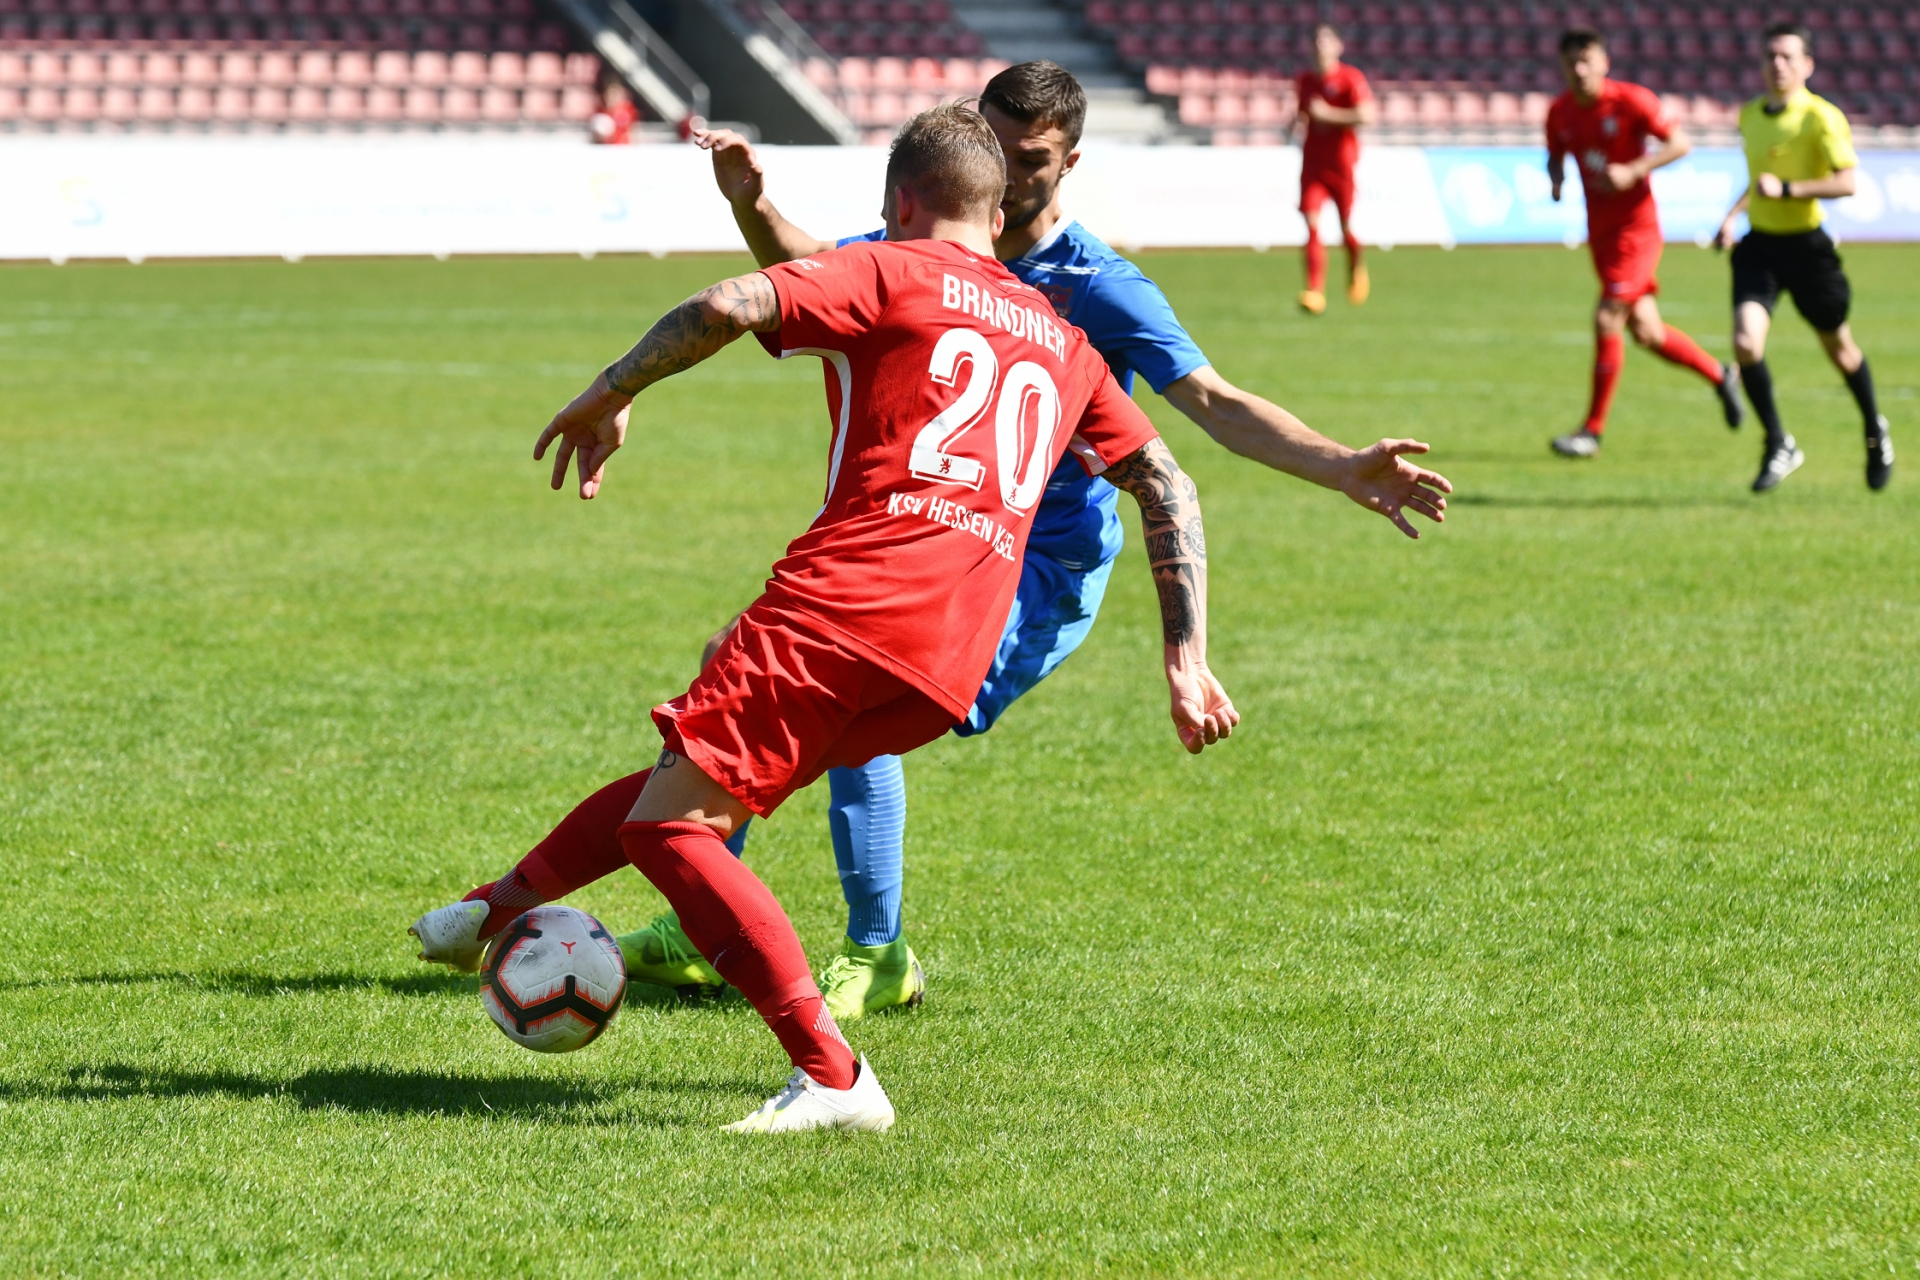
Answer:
(1398, 447)
(1432, 479)
(1403, 524)
(1434, 511)
(592, 467)
(561, 457)
(546, 438)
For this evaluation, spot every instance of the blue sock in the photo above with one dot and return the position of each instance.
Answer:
(737, 842)
(868, 816)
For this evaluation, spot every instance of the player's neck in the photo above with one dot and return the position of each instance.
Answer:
(1328, 68)
(970, 235)
(1018, 242)
(1778, 101)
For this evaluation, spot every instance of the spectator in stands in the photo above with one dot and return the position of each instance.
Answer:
(612, 124)
(1335, 103)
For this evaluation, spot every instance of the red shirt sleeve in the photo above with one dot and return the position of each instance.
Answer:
(1362, 91)
(1112, 425)
(1555, 114)
(829, 299)
(1305, 85)
(1653, 113)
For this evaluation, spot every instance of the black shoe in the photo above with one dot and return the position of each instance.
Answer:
(1880, 455)
(1780, 461)
(1729, 391)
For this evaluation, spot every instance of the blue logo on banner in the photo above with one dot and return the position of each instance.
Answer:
(1501, 195)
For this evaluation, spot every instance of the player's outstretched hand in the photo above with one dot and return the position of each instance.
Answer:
(589, 430)
(1380, 478)
(1203, 714)
(736, 169)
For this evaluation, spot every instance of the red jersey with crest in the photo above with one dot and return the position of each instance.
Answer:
(1331, 148)
(954, 391)
(1613, 130)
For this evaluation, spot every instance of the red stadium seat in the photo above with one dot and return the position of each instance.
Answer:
(499, 105)
(423, 105)
(276, 70)
(240, 69)
(156, 104)
(119, 104)
(577, 102)
(307, 104)
(460, 105)
(468, 70)
(353, 69)
(232, 104)
(81, 104)
(430, 70)
(545, 70)
(11, 104)
(385, 105)
(315, 69)
(507, 70)
(540, 105)
(194, 103)
(85, 68)
(346, 105)
(392, 68)
(201, 69)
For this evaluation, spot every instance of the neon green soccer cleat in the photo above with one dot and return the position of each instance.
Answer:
(663, 955)
(863, 980)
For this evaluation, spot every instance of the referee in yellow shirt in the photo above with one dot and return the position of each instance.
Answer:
(1799, 152)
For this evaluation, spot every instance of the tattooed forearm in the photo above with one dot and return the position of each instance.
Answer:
(1176, 538)
(695, 329)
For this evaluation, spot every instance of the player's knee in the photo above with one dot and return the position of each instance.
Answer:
(719, 638)
(1749, 348)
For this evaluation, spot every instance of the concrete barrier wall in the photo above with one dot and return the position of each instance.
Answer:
(292, 197)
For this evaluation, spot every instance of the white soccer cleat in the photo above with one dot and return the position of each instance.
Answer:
(450, 935)
(804, 1105)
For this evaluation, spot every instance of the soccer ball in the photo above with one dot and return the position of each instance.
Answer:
(552, 980)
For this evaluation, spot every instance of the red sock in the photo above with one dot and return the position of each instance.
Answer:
(1316, 257)
(1610, 351)
(741, 930)
(583, 848)
(1353, 253)
(1684, 351)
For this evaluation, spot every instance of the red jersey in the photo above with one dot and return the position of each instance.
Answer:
(954, 391)
(1333, 147)
(614, 125)
(1614, 130)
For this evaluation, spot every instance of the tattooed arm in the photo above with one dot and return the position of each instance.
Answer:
(1177, 554)
(595, 424)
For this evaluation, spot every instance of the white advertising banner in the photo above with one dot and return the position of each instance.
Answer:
(67, 197)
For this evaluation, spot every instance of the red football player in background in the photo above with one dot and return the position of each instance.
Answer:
(1604, 124)
(1334, 103)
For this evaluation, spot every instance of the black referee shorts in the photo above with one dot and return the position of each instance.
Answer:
(1805, 265)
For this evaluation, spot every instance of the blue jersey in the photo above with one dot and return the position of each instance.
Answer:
(1131, 324)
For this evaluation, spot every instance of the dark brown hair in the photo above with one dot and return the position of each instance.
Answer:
(1777, 29)
(1039, 93)
(949, 158)
(1575, 39)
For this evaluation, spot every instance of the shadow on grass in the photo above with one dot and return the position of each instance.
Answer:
(439, 982)
(384, 1090)
(240, 982)
(1597, 502)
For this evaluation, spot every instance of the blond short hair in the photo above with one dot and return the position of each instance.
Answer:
(951, 161)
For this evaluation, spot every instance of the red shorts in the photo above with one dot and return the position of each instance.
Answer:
(782, 702)
(1626, 261)
(1317, 186)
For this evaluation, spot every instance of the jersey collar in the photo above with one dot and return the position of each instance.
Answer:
(1047, 241)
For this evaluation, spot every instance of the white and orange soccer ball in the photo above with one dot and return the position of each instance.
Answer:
(553, 979)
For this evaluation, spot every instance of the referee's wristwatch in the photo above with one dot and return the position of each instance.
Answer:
(1786, 188)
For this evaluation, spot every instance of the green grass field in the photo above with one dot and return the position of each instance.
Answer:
(1553, 913)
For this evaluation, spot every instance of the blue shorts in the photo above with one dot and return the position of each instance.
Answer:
(1052, 613)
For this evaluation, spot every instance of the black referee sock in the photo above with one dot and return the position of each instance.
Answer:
(1860, 382)
(1758, 380)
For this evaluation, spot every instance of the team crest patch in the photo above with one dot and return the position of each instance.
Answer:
(1609, 126)
(1060, 295)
